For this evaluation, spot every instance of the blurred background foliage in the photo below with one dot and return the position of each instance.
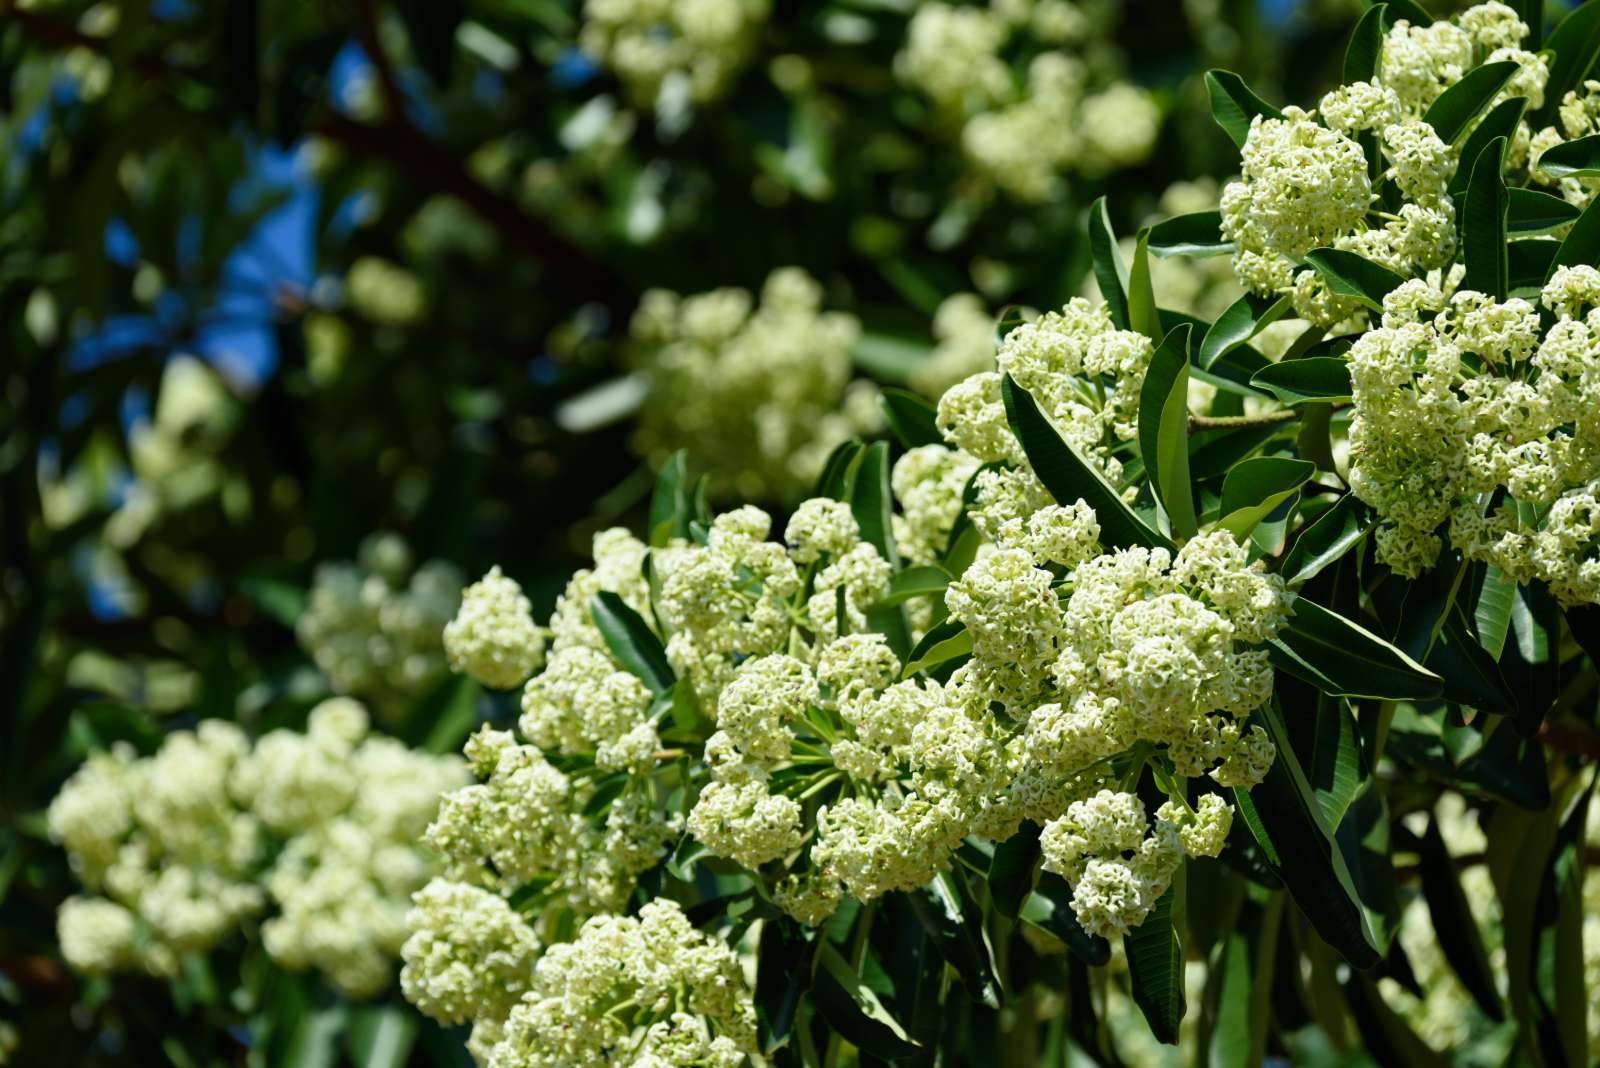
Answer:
(277, 276)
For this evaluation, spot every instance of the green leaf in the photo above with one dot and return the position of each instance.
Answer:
(1409, 10)
(1344, 659)
(1245, 965)
(839, 471)
(1155, 966)
(1457, 106)
(911, 419)
(1109, 270)
(1255, 487)
(1233, 105)
(1531, 263)
(871, 502)
(1142, 314)
(1492, 616)
(1483, 224)
(1068, 477)
(381, 1036)
(1164, 431)
(1453, 925)
(940, 645)
(1286, 817)
(853, 1009)
(1582, 243)
(926, 581)
(1324, 542)
(1243, 320)
(1338, 770)
(1501, 121)
(1224, 448)
(1572, 159)
(634, 644)
(1575, 42)
(1308, 379)
(1012, 868)
(670, 506)
(1049, 908)
(1362, 54)
(779, 984)
(955, 925)
(1533, 212)
(1388, 1037)
(1350, 275)
(1196, 234)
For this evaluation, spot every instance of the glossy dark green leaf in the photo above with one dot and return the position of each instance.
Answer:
(1335, 533)
(1164, 431)
(1483, 224)
(1011, 870)
(1337, 769)
(1109, 269)
(1533, 212)
(381, 1036)
(1309, 379)
(1575, 42)
(631, 641)
(1196, 234)
(670, 506)
(910, 418)
(1491, 617)
(1284, 814)
(1582, 243)
(838, 471)
(926, 581)
(1578, 158)
(1255, 487)
(1530, 263)
(1350, 275)
(1243, 320)
(854, 1010)
(1362, 54)
(1457, 106)
(1143, 316)
(871, 502)
(955, 924)
(1233, 105)
(1221, 449)
(1501, 121)
(1067, 477)
(940, 645)
(1246, 963)
(780, 983)
(1155, 966)
(1457, 932)
(1343, 658)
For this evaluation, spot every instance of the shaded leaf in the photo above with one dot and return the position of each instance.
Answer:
(910, 418)
(1257, 486)
(1196, 234)
(1155, 966)
(1483, 223)
(631, 641)
(1324, 542)
(1164, 431)
(1243, 320)
(1457, 106)
(1233, 105)
(1350, 275)
(1308, 379)
(1343, 658)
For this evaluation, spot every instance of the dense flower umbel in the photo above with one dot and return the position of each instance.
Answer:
(189, 843)
(1025, 127)
(666, 52)
(373, 625)
(1305, 178)
(763, 393)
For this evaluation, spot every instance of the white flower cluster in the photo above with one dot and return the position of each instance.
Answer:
(182, 847)
(692, 48)
(373, 625)
(1023, 131)
(761, 394)
(1305, 181)
(649, 991)
(1468, 411)
(493, 637)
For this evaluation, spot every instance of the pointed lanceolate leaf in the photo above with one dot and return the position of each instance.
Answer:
(631, 641)
(1579, 158)
(1501, 121)
(1049, 908)
(871, 502)
(1350, 275)
(779, 984)
(955, 924)
(853, 1009)
(911, 418)
(1361, 55)
(1243, 320)
(1324, 542)
(1233, 105)
(1143, 316)
(838, 472)
(1067, 477)
(1012, 868)
(1285, 816)
(1582, 243)
(1533, 212)
(1323, 379)
(1457, 106)
(1164, 431)
(926, 581)
(1196, 234)
(1483, 224)
(1255, 487)
(1453, 925)
(1575, 43)
(670, 504)
(1155, 966)
(940, 645)
(1343, 658)
(1109, 269)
